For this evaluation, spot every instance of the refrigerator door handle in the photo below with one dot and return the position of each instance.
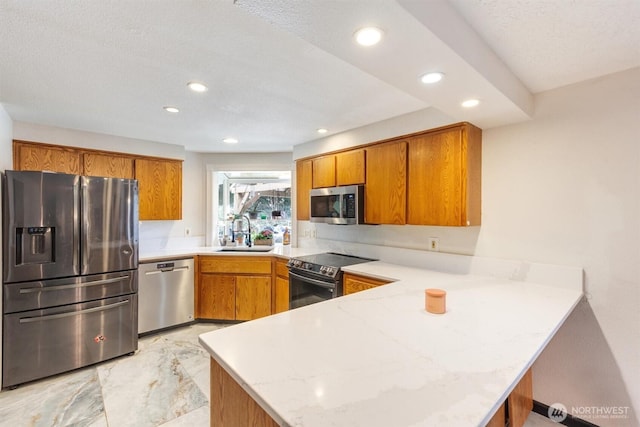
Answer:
(72, 313)
(73, 285)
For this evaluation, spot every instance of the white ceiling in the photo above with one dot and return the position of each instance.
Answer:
(278, 69)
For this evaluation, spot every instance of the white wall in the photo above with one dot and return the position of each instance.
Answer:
(562, 188)
(565, 189)
(407, 123)
(6, 140)
(95, 141)
(6, 162)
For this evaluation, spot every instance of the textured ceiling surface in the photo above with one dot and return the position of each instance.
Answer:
(553, 43)
(278, 70)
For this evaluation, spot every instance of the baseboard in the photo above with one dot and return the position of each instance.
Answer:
(569, 421)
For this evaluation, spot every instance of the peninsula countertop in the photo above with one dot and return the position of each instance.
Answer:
(377, 358)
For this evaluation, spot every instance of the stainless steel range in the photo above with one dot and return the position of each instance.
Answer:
(316, 278)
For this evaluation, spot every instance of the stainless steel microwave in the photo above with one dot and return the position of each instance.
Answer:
(337, 205)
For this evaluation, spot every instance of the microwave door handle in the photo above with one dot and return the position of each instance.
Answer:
(328, 285)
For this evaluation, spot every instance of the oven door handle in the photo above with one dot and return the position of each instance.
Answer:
(328, 285)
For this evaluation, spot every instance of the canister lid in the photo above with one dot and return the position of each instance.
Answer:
(432, 292)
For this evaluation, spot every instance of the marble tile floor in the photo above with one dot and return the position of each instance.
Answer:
(166, 383)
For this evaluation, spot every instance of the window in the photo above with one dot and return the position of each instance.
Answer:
(262, 196)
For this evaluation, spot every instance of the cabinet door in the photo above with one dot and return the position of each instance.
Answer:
(160, 184)
(324, 171)
(386, 183)
(444, 178)
(97, 164)
(282, 295)
(217, 297)
(38, 157)
(253, 297)
(350, 167)
(303, 186)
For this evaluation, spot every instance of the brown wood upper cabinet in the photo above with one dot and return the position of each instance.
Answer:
(350, 167)
(385, 193)
(444, 177)
(324, 171)
(42, 157)
(427, 178)
(303, 186)
(160, 180)
(345, 168)
(98, 164)
(160, 188)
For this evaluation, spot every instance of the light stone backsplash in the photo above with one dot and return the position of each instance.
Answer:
(570, 277)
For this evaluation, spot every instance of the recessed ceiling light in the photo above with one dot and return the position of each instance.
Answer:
(230, 141)
(322, 130)
(171, 109)
(470, 103)
(368, 36)
(197, 87)
(431, 77)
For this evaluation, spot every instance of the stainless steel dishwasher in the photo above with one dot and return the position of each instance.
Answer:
(165, 294)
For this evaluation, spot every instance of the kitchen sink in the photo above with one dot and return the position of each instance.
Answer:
(258, 248)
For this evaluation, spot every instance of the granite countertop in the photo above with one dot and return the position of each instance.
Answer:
(377, 358)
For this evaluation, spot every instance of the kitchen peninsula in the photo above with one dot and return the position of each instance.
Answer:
(376, 358)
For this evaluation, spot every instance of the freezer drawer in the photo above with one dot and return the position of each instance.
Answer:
(40, 343)
(166, 294)
(54, 292)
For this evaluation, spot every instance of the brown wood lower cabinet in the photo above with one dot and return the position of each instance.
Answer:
(353, 283)
(281, 299)
(217, 297)
(234, 288)
(253, 297)
(231, 406)
(516, 409)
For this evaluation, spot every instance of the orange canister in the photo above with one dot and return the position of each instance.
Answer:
(435, 301)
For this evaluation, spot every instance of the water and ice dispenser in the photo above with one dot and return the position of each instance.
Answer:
(35, 245)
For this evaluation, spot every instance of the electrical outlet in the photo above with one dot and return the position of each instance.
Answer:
(314, 233)
(434, 244)
(187, 231)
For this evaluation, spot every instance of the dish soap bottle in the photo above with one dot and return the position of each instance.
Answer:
(286, 237)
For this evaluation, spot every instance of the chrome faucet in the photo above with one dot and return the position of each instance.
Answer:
(248, 240)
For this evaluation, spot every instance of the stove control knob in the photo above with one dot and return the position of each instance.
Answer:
(330, 271)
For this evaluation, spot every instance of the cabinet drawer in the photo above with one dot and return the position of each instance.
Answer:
(281, 269)
(353, 283)
(230, 264)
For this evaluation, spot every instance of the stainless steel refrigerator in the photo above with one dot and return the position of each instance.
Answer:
(70, 278)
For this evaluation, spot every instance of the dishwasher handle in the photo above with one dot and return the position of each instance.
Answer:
(166, 270)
